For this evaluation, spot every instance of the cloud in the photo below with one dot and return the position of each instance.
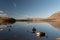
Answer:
(14, 4)
(2, 13)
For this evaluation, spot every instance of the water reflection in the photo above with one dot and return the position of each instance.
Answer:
(55, 24)
(2, 27)
(10, 28)
(40, 35)
(35, 32)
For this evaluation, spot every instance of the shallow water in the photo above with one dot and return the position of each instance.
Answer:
(22, 31)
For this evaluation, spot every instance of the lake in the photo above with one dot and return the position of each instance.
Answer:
(23, 31)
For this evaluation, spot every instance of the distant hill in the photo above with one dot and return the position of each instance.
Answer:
(55, 15)
(53, 18)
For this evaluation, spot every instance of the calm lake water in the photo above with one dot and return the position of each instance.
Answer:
(22, 31)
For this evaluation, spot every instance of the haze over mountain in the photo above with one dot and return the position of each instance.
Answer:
(53, 18)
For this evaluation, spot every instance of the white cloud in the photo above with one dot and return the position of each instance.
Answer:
(14, 4)
(2, 13)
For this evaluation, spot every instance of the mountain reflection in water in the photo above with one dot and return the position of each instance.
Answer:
(29, 31)
(55, 24)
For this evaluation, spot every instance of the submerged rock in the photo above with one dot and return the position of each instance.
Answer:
(33, 30)
(40, 34)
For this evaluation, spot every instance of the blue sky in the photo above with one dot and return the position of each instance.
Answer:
(30, 8)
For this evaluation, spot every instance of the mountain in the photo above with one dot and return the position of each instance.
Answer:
(56, 15)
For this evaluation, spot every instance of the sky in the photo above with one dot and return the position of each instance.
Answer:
(29, 8)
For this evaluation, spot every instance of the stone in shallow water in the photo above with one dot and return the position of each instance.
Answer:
(33, 30)
(40, 34)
